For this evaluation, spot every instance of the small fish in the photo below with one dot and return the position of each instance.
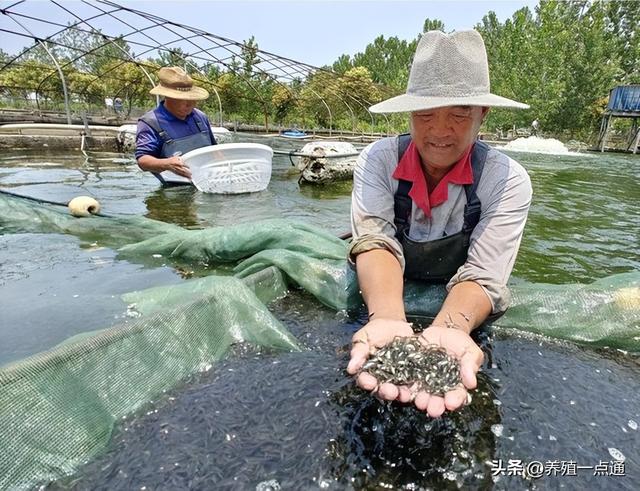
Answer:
(406, 361)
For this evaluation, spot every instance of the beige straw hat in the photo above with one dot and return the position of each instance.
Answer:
(447, 70)
(175, 83)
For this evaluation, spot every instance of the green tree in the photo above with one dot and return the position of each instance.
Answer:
(623, 25)
(85, 87)
(359, 90)
(432, 25)
(593, 68)
(561, 61)
(25, 78)
(230, 91)
(90, 50)
(128, 81)
(249, 55)
(283, 101)
(388, 60)
(319, 97)
(174, 57)
(41, 52)
(342, 64)
(512, 54)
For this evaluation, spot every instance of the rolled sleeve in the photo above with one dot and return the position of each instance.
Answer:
(371, 242)
(496, 239)
(372, 211)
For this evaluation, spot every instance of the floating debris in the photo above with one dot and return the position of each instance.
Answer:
(407, 361)
(497, 430)
(616, 454)
(271, 485)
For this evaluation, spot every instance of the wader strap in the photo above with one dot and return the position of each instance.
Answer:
(201, 127)
(151, 120)
(404, 141)
(401, 199)
(402, 203)
(472, 209)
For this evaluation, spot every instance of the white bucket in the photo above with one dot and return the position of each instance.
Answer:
(230, 168)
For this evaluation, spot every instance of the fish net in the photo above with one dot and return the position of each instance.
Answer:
(58, 408)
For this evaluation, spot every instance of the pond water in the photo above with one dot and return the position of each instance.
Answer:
(263, 420)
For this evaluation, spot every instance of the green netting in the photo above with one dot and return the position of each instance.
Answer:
(603, 313)
(24, 216)
(58, 408)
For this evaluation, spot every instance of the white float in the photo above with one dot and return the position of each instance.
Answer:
(327, 161)
(230, 168)
(83, 206)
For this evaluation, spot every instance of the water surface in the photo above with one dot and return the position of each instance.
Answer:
(295, 420)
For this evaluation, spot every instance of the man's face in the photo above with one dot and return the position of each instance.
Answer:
(178, 107)
(442, 135)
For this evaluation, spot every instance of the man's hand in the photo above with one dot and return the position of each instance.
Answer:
(177, 166)
(458, 343)
(375, 334)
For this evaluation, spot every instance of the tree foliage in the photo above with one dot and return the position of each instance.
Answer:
(562, 59)
(387, 60)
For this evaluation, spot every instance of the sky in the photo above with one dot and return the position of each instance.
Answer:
(312, 31)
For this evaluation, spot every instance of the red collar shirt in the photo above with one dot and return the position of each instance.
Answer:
(439, 213)
(410, 169)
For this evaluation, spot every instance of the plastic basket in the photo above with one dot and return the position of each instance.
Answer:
(230, 168)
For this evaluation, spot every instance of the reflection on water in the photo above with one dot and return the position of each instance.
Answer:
(583, 224)
(53, 287)
(174, 204)
(297, 418)
(334, 190)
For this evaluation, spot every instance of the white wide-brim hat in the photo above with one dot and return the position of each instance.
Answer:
(447, 70)
(175, 83)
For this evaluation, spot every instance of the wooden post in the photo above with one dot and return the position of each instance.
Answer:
(637, 141)
(606, 132)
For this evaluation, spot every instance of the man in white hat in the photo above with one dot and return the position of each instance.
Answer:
(437, 206)
(173, 128)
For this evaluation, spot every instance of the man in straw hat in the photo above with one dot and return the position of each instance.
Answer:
(437, 206)
(174, 127)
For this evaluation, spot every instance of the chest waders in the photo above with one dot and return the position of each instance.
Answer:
(436, 261)
(178, 146)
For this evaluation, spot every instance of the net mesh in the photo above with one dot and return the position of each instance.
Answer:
(58, 408)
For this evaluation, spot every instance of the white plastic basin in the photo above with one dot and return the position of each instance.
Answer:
(230, 168)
